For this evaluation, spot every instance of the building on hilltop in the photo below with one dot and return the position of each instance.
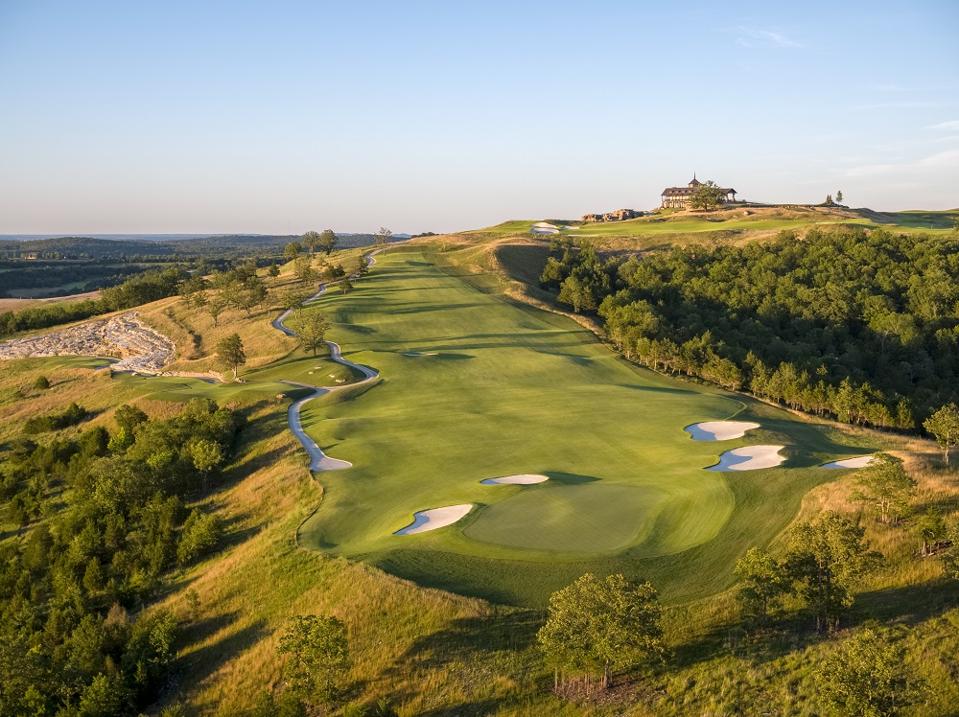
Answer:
(678, 197)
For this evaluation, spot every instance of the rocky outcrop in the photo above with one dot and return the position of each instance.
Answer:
(138, 347)
(618, 216)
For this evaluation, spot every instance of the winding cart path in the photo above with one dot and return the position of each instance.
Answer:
(319, 461)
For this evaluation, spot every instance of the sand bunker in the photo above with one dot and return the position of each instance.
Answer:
(518, 479)
(857, 462)
(418, 354)
(139, 348)
(749, 458)
(719, 430)
(434, 518)
(544, 228)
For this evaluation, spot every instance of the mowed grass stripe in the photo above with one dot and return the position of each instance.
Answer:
(512, 389)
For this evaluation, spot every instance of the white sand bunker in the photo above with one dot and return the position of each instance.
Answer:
(749, 458)
(544, 228)
(857, 462)
(425, 520)
(518, 479)
(719, 430)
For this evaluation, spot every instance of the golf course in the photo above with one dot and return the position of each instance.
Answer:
(474, 387)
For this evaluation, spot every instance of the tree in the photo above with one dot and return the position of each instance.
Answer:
(327, 241)
(839, 196)
(274, 270)
(828, 200)
(931, 531)
(346, 286)
(382, 236)
(42, 383)
(292, 250)
(310, 328)
(303, 268)
(866, 676)
(205, 454)
(886, 486)
(944, 426)
(311, 240)
(230, 350)
(199, 535)
(577, 293)
(318, 657)
(706, 195)
(216, 306)
(597, 627)
(950, 558)
(762, 581)
(826, 559)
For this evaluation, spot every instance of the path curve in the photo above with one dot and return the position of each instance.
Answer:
(319, 461)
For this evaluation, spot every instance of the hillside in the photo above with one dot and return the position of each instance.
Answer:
(732, 225)
(476, 385)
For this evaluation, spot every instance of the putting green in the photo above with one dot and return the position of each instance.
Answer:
(473, 386)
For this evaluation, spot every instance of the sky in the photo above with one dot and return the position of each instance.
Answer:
(281, 116)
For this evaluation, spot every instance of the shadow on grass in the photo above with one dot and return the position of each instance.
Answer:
(205, 661)
(906, 605)
(570, 478)
(488, 644)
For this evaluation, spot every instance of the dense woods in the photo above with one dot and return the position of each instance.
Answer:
(105, 516)
(855, 324)
(137, 290)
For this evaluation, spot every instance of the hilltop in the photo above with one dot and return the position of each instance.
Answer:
(732, 224)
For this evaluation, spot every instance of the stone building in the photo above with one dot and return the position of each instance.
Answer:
(678, 197)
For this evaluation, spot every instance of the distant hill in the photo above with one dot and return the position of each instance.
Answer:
(120, 247)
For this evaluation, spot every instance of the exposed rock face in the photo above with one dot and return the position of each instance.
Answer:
(617, 216)
(139, 348)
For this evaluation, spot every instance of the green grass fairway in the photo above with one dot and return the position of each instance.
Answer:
(512, 389)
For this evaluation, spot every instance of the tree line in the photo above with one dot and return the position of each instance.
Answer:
(860, 325)
(140, 289)
(103, 518)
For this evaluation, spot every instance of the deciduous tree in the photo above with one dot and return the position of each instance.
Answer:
(230, 350)
(944, 426)
(327, 241)
(596, 627)
(885, 485)
(762, 581)
(317, 650)
(866, 676)
(310, 327)
(706, 195)
(827, 558)
(311, 240)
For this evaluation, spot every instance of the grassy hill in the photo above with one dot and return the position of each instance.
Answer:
(735, 224)
(532, 388)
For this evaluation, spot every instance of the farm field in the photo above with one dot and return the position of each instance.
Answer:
(473, 387)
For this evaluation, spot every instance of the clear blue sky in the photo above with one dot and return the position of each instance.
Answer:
(282, 116)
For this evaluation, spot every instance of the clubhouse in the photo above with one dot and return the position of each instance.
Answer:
(678, 197)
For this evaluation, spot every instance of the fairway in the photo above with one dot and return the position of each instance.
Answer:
(473, 387)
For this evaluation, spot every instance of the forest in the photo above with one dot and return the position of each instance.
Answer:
(861, 325)
(138, 289)
(108, 519)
